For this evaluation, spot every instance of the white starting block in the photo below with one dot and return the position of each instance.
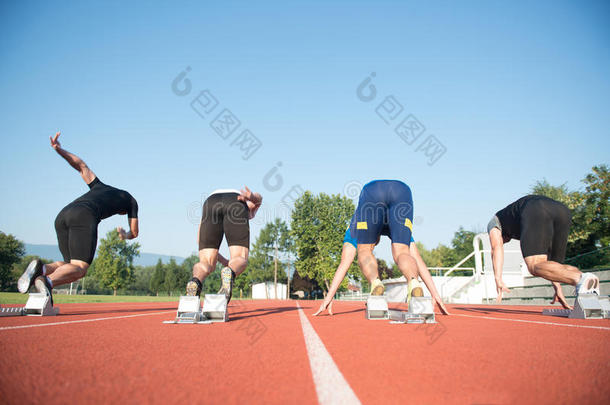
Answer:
(377, 307)
(190, 311)
(215, 308)
(421, 310)
(586, 306)
(38, 304)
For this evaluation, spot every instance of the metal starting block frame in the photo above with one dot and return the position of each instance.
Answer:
(586, 306)
(421, 310)
(38, 304)
(377, 307)
(190, 311)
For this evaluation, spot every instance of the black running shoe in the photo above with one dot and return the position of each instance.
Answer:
(26, 280)
(227, 276)
(43, 286)
(193, 288)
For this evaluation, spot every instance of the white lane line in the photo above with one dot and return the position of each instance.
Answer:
(538, 322)
(331, 386)
(80, 321)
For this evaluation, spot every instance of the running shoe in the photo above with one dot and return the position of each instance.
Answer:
(588, 284)
(377, 287)
(43, 286)
(26, 280)
(414, 289)
(227, 276)
(193, 288)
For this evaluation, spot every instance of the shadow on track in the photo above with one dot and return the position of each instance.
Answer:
(116, 311)
(501, 311)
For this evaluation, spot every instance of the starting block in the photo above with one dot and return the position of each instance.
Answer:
(38, 304)
(377, 307)
(215, 308)
(586, 306)
(421, 310)
(190, 311)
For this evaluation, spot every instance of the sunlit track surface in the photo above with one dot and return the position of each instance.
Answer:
(112, 353)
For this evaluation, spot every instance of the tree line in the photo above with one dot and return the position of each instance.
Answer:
(309, 247)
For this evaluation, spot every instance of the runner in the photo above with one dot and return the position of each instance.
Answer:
(76, 228)
(225, 213)
(348, 253)
(542, 225)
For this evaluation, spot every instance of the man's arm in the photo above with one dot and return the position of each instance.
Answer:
(424, 273)
(497, 259)
(347, 257)
(133, 230)
(74, 161)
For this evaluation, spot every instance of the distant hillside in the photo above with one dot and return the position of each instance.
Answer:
(52, 252)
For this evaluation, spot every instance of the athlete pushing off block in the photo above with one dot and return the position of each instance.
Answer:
(76, 228)
(348, 253)
(225, 212)
(542, 225)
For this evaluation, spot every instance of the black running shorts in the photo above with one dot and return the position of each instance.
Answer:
(545, 225)
(224, 214)
(76, 228)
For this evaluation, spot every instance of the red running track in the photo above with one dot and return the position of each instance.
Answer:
(123, 353)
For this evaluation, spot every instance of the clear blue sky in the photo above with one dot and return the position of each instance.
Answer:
(515, 91)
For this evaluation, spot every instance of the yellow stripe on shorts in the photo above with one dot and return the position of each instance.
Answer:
(362, 225)
(408, 224)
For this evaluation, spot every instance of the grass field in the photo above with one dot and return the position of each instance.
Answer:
(16, 298)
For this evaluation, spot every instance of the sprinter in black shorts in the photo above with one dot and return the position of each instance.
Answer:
(76, 228)
(225, 213)
(542, 225)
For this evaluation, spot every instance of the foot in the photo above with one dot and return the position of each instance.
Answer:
(43, 286)
(588, 284)
(26, 280)
(415, 288)
(377, 287)
(193, 288)
(227, 276)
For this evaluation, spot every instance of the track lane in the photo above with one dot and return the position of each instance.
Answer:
(467, 360)
(258, 357)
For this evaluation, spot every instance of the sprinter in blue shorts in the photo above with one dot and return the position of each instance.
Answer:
(368, 208)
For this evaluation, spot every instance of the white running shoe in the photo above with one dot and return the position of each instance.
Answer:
(588, 284)
(377, 287)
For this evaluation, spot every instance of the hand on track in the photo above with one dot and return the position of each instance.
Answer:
(501, 289)
(323, 306)
(441, 305)
(559, 297)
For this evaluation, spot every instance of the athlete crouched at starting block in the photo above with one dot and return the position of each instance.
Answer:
(542, 225)
(348, 253)
(76, 228)
(225, 212)
(385, 207)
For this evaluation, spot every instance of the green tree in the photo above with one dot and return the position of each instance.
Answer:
(172, 275)
(11, 251)
(158, 278)
(141, 282)
(318, 225)
(273, 238)
(113, 266)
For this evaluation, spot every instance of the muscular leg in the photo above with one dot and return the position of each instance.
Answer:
(405, 262)
(239, 258)
(51, 267)
(206, 265)
(368, 263)
(68, 272)
(540, 266)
